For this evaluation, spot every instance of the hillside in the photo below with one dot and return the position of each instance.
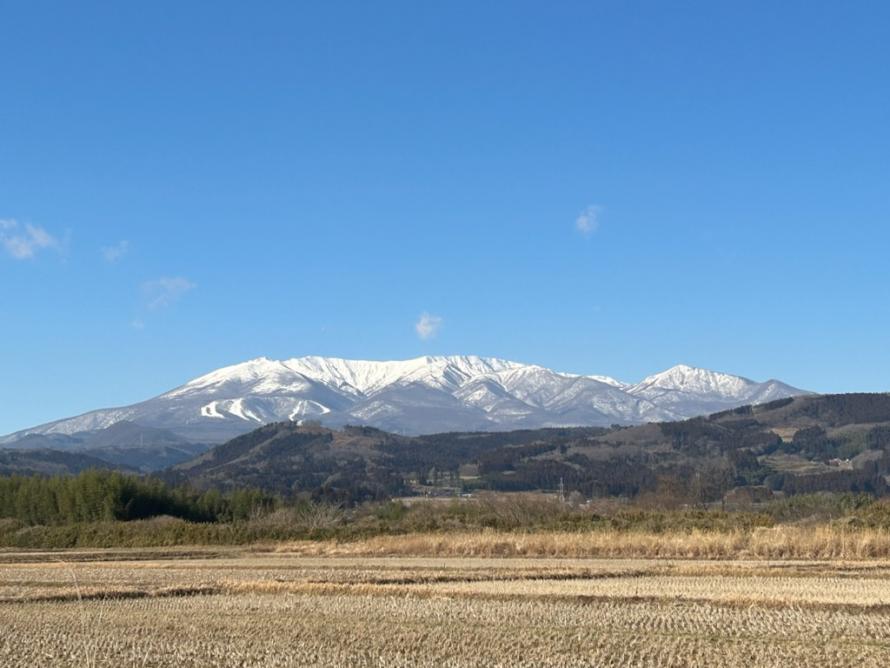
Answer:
(50, 462)
(123, 445)
(350, 464)
(812, 443)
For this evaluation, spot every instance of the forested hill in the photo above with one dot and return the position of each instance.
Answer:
(49, 462)
(358, 463)
(831, 442)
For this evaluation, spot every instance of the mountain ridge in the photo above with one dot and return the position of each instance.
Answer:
(421, 395)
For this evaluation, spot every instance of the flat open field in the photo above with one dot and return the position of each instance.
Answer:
(209, 607)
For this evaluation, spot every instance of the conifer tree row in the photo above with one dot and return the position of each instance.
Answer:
(98, 495)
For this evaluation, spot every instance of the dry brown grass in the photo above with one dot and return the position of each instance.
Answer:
(281, 609)
(783, 542)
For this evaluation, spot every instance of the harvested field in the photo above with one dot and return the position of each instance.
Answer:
(243, 608)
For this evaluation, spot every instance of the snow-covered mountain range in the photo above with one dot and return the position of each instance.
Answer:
(422, 395)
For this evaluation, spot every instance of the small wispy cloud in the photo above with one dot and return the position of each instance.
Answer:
(23, 242)
(165, 291)
(588, 221)
(427, 326)
(116, 252)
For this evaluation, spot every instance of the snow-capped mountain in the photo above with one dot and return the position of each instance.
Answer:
(423, 395)
(693, 391)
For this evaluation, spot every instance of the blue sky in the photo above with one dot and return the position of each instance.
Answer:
(599, 187)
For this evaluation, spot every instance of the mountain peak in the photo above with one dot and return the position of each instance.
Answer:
(690, 379)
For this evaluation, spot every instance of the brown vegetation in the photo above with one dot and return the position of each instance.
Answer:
(783, 542)
(231, 607)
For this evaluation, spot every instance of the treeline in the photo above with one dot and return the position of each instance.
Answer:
(523, 513)
(98, 495)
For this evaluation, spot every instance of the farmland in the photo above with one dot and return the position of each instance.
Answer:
(276, 606)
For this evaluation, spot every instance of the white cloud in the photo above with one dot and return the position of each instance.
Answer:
(115, 253)
(23, 242)
(427, 326)
(166, 290)
(588, 221)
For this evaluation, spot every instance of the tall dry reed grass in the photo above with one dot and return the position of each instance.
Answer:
(784, 542)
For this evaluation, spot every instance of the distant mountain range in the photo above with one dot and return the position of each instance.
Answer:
(123, 445)
(799, 445)
(417, 396)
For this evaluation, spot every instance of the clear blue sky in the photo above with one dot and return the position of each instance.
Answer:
(186, 185)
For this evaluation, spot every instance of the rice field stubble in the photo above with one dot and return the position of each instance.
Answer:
(243, 608)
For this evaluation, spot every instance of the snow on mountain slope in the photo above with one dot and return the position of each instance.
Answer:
(699, 391)
(370, 377)
(608, 380)
(425, 394)
(693, 381)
